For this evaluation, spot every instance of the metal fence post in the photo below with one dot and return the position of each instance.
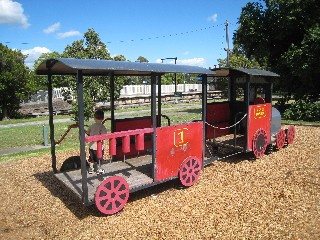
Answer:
(45, 135)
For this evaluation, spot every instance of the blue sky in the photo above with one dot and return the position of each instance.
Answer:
(191, 30)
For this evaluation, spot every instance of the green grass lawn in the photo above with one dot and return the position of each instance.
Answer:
(37, 119)
(285, 121)
(33, 135)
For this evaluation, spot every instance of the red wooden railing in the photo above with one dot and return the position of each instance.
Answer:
(124, 135)
(75, 125)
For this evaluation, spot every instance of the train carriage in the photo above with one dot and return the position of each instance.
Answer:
(148, 150)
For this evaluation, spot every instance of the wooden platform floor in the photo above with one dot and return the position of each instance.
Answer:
(136, 171)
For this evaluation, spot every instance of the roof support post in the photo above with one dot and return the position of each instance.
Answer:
(159, 99)
(82, 138)
(154, 78)
(111, 75)
(52, 141)
(247, 102)
(268, 91)
(204, 112)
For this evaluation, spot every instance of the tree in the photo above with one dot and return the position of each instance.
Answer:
(142, 59)
(96, 88)
(238, 60)
(40, 82)
(168, 78)
(14, 81)
(284, 35)
(119, 57)
(138, 80)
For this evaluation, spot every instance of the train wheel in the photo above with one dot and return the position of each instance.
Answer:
(259, 143)
(280, 138)
(112, 195)
(189, 171)
(291, 134)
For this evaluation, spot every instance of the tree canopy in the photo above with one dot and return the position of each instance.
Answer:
(142, 59)
(238, 60)
(284, 35)
(96, 88)
(14, 81)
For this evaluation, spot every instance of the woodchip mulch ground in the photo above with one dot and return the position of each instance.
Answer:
(275, 197)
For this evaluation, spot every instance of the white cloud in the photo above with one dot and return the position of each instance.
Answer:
(192, 62)
(12, 13)
(213, 18)
(68, 34)
(53, 28)
(34, 54)
(185, 53)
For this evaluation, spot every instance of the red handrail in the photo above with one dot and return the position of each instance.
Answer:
(105, 120)
(75, 125)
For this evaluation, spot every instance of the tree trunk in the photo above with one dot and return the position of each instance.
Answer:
(5, 115)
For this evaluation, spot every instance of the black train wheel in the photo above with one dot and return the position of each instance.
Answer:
(291, 134)
(280, 138)
(259, 143)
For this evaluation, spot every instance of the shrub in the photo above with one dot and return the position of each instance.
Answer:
(303, 110)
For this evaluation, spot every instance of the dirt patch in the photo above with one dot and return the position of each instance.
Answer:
(275, 197)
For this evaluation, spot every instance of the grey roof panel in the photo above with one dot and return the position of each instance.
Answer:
(70, 66)
(225, 72)
(257, 72)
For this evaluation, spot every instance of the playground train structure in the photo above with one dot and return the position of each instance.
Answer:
(148, 150)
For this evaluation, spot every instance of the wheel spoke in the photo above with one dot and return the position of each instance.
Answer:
(184, 176)
(121, 192)
(104, 189)
(118, 187)
(184, 170)
(103, 198)
(197, 168)
(112, 185)
(107, 204)
(118, 199)
(194, 175)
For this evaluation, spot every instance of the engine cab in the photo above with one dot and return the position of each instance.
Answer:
(247, 121)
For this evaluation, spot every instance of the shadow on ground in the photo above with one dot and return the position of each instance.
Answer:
(74, 204)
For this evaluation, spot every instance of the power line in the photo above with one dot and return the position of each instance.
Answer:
(23, 43)
(151, 38)
(169, 35)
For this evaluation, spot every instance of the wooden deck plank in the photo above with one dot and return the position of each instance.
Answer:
(136, 171)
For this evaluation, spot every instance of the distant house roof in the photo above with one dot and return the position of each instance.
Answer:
(93, 67)
(225, 72)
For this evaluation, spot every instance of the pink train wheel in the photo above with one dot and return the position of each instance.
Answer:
(189, 171)
(112, 195)
(291, 134)
(259, 143)
(280, 138)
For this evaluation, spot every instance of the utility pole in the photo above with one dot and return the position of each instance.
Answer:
(175, 74)
(228, 46)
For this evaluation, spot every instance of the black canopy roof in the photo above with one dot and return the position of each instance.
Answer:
(225, 72)
(93, 67)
